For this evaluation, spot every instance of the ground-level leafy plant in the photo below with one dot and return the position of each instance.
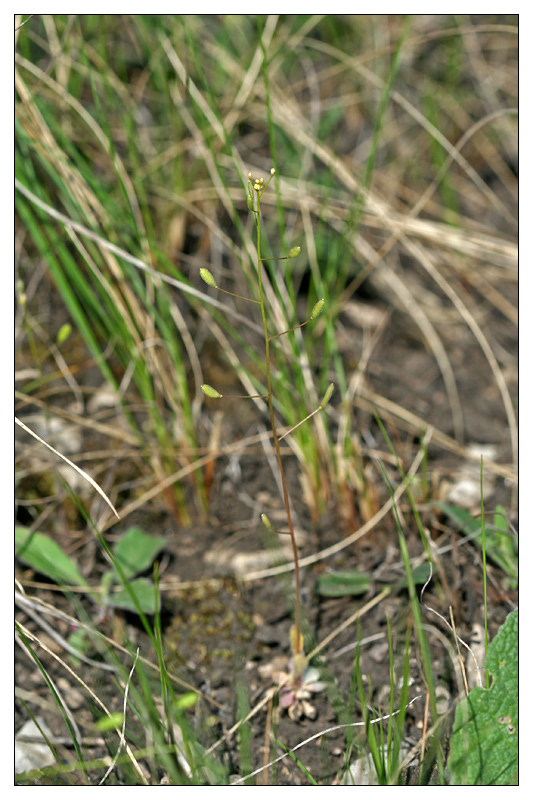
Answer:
(133, 553)
(484, 742)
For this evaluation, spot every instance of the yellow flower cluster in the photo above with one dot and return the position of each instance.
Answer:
(258, 183)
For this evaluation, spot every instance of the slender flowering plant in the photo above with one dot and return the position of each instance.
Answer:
(256, 189)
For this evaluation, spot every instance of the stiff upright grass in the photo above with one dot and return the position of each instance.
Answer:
(147, 158)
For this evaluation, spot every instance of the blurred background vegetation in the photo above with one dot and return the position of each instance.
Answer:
(394, 140)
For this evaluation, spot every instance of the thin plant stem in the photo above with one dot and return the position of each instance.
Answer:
(248, 299)
(297, 643)
(277, 335)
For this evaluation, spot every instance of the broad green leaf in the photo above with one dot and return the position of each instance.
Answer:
(501, 546)
(484, 742)
(42, 554)
(136, 550)
(109, 723)
(144, 592)
(105, 585)
(500, 519)
(420, 575)
(340, 584)
(80, 642)
(462, 518)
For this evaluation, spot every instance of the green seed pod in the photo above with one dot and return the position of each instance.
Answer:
(266, 522)
(64, 332)
(250, 203)
(294, 252)
(210, 392)
(317, 308)
(206, 276)
(327, 396)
